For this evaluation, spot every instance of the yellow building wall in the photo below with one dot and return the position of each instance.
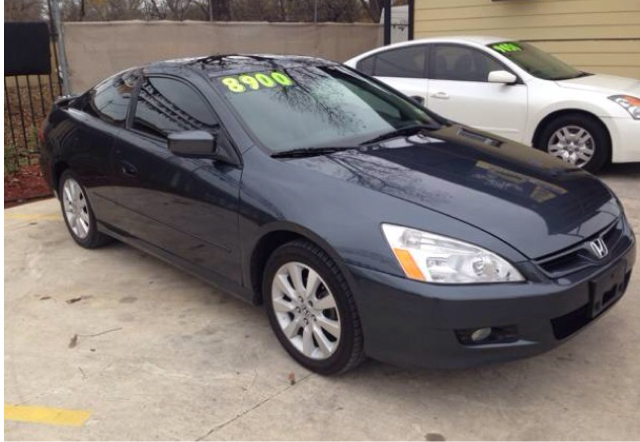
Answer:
(600, 36)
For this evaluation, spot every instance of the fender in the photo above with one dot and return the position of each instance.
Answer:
(283, 226)
(539, 115)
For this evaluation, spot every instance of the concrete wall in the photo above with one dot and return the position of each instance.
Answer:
(97, 49)
(593, 35)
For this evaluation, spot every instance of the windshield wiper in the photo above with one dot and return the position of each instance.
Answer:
(410, 129)
(311, 151)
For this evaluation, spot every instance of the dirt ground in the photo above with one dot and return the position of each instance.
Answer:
(24, 185)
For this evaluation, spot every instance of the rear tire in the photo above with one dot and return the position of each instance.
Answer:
(77, 213)
(577, 139)
(311, 309)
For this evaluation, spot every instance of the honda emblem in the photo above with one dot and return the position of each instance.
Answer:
(599, 248)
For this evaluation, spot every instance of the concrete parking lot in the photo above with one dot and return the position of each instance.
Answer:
(135, 349)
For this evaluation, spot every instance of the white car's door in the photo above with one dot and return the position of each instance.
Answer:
(459, 90)
(402, 68)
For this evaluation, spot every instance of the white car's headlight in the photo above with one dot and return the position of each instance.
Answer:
(631, 104)
(437, 259)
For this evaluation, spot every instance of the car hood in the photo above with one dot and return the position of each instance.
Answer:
(532, 201)
(608, 84)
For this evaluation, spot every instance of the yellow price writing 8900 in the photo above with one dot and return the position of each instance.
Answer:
(253, 82)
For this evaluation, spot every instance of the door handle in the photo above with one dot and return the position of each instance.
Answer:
(128, 169)
(440, 95)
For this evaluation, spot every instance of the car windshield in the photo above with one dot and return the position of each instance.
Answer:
(316, 106)
(536, 62)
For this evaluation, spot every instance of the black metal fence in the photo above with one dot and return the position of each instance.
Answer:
(28, 99)
(31, 84)
(29, 90)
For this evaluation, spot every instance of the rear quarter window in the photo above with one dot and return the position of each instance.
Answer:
(367, 65)
(109, 100)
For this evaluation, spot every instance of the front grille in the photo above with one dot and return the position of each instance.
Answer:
(581, 256)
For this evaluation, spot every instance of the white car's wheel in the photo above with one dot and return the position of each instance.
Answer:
(577, 139)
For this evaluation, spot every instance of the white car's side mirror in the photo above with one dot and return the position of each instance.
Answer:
(502, 77)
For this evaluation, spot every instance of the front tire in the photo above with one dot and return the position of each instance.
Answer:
(577, 139)
(77, 213)
(311, 309)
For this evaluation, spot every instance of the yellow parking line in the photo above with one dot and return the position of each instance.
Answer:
(33, 217)
(45, 415)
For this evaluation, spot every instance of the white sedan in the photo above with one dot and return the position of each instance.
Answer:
(515, 90)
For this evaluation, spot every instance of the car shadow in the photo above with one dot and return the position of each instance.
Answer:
(624, 170)
(547, 368)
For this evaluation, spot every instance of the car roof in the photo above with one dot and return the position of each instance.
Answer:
(477, 39)
(481, 40)
(214, 65)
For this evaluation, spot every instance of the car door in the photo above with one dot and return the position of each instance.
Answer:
(459, 90)
(402, 68)
(187, 207)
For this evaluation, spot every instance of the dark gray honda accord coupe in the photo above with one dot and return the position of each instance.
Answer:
(366, 224)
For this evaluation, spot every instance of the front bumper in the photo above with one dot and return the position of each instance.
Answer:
(411, 323)
(625, 139)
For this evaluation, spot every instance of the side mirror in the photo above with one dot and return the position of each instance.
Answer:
(193, 143)
(418, 99)
(502, 77)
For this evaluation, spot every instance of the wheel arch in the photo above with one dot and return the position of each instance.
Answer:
(535, 140)
(58, 169)
(275, 236)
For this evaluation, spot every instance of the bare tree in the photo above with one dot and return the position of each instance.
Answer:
(177, 9)
(374, 7)
(219, 10)
(71, 10)
(23, 10)
(102, 10)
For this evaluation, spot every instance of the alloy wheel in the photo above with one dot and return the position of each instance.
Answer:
(572, 144)
(306, 310)
(76, 209)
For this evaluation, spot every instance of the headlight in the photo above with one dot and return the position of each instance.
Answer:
(437, 259)
(631, 104)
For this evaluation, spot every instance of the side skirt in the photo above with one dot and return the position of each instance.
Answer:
(211, 278)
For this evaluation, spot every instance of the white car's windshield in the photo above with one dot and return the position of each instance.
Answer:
(316, 106)
(536, 62)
